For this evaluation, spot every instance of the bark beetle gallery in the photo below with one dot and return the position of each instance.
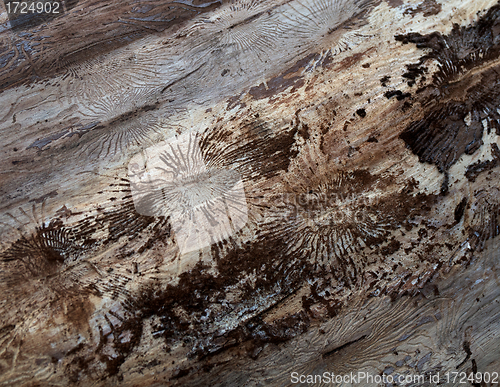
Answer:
(227, 193)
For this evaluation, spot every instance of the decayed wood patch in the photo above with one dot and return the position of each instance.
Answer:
(355, 144)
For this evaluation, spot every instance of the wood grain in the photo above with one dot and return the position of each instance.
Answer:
(354, 144)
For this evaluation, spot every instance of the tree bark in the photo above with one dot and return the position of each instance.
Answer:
(250, 193)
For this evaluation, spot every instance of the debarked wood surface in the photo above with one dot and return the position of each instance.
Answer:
(355, 141)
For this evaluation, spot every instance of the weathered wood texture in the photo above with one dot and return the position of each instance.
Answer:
(354, 144)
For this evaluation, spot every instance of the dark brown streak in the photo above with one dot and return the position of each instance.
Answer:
(182, 78)
(464, 92)
(474, 170)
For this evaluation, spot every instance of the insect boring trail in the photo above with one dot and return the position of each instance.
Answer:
(333, 22)
(172, 180)
(246, 27)
(117, 138)
(466, 82)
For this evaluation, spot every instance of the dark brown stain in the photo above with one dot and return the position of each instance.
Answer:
(131, 114)
(361, 113)
(186, 310)
(442, 137)
(256, 151)
(475, 169)
(468, 353)
(393, 246)
(351, 60)
(415, 71)
(460, 210)
(384, 80)
(112, 350)
(290, 78)
(474, 370)
(396, 93)
(463, 93)
(427, 8)
(6, 329)
(122, 339)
